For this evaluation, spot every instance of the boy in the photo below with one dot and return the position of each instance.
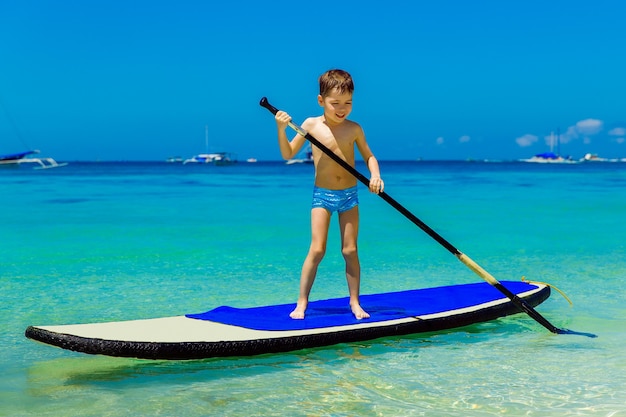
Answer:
(335, 189)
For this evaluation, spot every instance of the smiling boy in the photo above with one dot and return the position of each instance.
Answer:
(335, 188)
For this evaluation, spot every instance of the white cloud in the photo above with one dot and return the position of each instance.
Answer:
(570, 134)
(464, 139)
(620, 140)
(582, 130)
(526, 140)
(439, 140)
(589, 126)
(552, 139)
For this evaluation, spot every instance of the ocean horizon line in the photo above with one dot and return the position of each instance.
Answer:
(280, 161)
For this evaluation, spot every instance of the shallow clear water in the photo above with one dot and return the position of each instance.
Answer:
(103, 241)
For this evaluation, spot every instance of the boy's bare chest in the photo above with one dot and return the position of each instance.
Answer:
(335, 139)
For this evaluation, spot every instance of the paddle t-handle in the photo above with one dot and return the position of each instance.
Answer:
(274, 110)
(267, 105)
(477, 269)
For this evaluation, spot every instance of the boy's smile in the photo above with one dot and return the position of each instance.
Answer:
(337, 106)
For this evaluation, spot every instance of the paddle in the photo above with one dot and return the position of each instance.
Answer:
(521, 304)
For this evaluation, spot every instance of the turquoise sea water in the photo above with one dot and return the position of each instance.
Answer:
(105, 241)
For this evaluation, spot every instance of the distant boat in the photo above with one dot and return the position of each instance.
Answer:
(592, 157)
(25, 158)
(305, 158)
(216, 158)
(22, 158)
(551, 157)
(15, 157)
(174, 159)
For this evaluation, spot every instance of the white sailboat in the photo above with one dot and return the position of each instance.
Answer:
(551, 157)
(25, 157)
(217, 158)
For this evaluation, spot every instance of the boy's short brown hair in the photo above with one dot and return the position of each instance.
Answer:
(336, 78)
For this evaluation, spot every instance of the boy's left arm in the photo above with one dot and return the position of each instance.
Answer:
(376, 183)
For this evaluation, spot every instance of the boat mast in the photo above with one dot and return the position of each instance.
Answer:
(206, 138)
(551, 142)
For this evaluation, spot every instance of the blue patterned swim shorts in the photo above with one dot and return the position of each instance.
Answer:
(335, 200)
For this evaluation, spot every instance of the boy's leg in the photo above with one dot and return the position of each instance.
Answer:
(349, 226)
(320, 219)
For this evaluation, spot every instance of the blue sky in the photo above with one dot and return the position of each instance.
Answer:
(140, 80)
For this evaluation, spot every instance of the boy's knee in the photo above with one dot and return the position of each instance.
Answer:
(317, 254)
(349, 252)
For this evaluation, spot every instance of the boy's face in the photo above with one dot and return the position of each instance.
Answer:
(336, 106)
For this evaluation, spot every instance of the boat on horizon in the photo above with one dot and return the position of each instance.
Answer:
(216, 158)
(24, 158)
(593, 157)
(551, 157)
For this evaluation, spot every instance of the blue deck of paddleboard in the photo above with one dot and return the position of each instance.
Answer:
(381, 307)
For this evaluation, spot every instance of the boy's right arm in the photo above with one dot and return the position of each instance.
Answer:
(287, 149)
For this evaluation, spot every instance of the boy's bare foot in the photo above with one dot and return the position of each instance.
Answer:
(358, 312)
(298, 312)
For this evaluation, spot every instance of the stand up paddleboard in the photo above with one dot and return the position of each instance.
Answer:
(229, 331)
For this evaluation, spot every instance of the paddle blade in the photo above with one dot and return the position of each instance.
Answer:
(566, 331)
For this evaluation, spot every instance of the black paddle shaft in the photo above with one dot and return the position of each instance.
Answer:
(521, 304)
